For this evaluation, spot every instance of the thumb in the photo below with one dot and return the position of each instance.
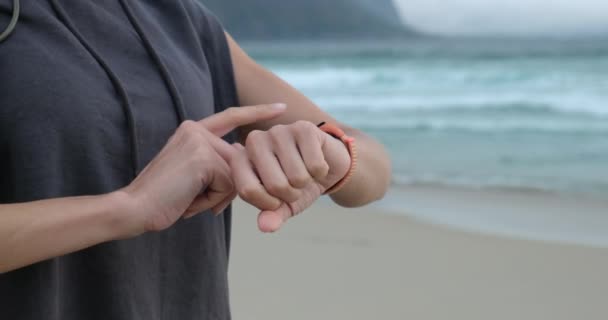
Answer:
(272, 221)
(222, 123)
(225, 150)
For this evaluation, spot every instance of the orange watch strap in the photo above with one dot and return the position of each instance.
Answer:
(349, 142)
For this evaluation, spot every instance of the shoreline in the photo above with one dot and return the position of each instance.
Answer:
(502, 188)
(334, 263)
(513, 213)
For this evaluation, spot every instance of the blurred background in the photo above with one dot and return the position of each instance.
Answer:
(496, 117)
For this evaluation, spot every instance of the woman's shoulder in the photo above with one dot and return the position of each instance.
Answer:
(202, 16)
(181, 12)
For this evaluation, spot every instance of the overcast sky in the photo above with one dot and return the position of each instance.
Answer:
(507, 17)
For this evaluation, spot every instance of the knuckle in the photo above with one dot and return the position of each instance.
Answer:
(188, 126)
(278, 133)
(279, 128)
(319, 169)
(279, 188)
(249, 191)
(299, 180)
(188, 130)
(303, 126)
(254, 137)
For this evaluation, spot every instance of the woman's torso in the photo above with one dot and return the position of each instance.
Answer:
(84, 103)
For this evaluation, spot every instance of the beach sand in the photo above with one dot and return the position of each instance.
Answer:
(334, 263)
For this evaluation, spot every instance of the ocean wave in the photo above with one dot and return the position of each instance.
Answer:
(574, 104)
(479, 126)
(394, 89)
(517, 184)
(412, 76)
(522, 115)
(490, 117)
(447, 74)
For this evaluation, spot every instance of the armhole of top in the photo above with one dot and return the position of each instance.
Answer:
(217, 52)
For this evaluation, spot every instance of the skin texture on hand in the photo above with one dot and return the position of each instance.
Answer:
(191, 174)
(284, 170)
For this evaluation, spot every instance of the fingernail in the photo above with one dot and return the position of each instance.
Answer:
(278, 106)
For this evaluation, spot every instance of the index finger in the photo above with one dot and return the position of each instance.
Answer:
(222, 123)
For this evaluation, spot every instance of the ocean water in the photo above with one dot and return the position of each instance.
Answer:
(474, 113)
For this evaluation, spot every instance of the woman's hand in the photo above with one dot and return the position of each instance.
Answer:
(284, 170)
(191, 174)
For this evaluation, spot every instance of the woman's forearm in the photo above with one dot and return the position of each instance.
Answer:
(257, 85)
(36, 231)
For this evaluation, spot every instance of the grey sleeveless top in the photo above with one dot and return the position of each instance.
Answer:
(90, 91)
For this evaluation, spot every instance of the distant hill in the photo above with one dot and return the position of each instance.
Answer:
(308, 19)
(381, 9)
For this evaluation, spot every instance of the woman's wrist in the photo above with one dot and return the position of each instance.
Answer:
(372, 177)
(121, 217)
(346, 144)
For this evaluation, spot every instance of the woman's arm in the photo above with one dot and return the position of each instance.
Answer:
(257, 85)
(36, 231)
(190, 175)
